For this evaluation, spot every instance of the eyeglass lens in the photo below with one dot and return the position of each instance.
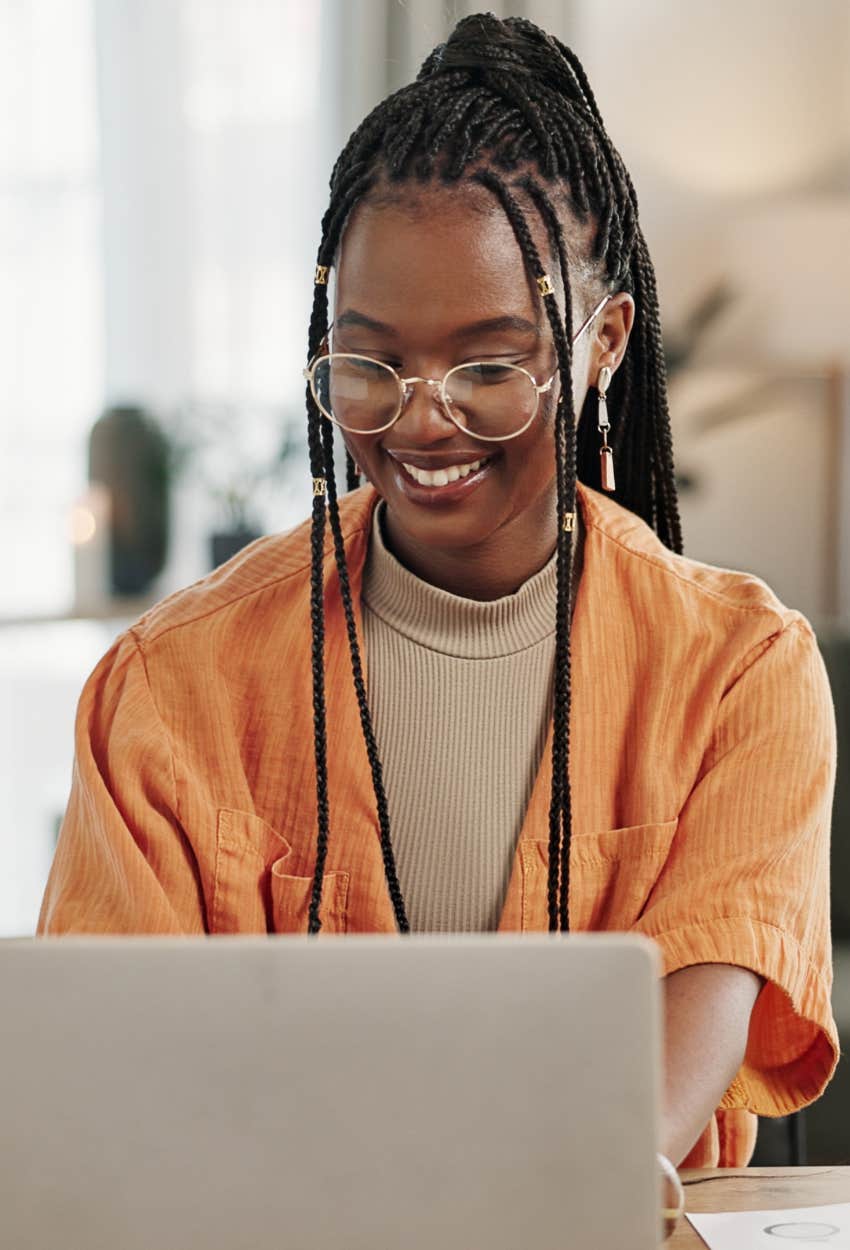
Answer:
(488, 399)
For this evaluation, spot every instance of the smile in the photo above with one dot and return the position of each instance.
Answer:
(442, 477)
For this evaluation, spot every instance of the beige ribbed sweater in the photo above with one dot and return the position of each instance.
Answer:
(460, 694)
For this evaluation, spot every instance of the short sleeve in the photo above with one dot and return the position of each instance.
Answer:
(122, 864)
(747, 878)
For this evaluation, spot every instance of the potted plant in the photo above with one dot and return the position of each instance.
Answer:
(233, 451)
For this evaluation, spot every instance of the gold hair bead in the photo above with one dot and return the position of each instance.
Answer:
(569, 518)
(545, 285)
(321, 278)
(319, 485)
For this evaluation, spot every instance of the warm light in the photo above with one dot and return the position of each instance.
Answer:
(89, 521)
(83, 525)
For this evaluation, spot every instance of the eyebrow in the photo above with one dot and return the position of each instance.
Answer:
(492, 325)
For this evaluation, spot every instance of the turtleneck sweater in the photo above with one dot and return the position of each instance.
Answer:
(460, 692)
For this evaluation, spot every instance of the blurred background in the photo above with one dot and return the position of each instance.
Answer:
(163, 170)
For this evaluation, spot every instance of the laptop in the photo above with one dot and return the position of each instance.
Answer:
(426, 1092)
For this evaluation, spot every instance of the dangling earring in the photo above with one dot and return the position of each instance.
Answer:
(606, 455)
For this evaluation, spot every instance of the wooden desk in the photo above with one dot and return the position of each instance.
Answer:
(755, 1189)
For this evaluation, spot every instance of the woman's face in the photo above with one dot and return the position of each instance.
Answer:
(427, 286)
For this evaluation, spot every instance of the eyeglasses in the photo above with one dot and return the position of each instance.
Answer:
(487, 399)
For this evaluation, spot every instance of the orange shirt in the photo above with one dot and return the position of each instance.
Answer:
(702, 767)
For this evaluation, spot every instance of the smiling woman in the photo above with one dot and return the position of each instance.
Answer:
(450, 303)
(566, 723)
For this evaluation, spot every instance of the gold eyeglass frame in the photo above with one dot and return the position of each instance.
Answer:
(406, 387)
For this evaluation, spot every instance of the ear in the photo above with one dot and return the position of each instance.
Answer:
(611, 337)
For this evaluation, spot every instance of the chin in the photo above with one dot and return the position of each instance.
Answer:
(443, 529)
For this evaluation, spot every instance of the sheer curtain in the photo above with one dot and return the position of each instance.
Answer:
(163, 166)
(162, 173)
(215, 158)
(51, 339)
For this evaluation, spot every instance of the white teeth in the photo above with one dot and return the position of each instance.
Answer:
(441, 477)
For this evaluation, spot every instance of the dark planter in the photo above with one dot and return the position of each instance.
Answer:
(227, 544)
(128, 453)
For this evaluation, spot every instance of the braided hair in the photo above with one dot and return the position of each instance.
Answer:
(505, 106)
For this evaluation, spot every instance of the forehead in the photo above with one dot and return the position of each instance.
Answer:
(434, 259)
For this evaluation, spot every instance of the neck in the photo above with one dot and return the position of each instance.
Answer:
(491, 569)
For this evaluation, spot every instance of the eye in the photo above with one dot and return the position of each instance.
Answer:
(371, 366)
(364, 365)
(488, 374)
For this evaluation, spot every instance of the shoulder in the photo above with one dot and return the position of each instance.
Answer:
(676, 590)
(261, 580)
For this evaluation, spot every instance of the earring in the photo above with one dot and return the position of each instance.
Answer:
(357, 469)
(606, 455)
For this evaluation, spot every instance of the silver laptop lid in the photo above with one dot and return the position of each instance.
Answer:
(480, 1092)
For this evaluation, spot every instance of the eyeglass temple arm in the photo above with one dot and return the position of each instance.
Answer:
(589, 318)
(605, 298)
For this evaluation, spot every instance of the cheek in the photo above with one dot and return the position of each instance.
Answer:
(580, 390)
(357, 448)
(532, 461)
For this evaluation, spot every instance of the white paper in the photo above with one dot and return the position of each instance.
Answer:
(826, 1226)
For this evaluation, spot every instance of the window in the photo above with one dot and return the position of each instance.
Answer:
(162, 178)
(51, 348)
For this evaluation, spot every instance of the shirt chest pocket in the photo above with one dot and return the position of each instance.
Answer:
(253, 888)
(612, 875)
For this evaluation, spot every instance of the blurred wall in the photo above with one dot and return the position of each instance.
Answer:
(734, 121)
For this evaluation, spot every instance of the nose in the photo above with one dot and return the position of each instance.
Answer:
(423, 418)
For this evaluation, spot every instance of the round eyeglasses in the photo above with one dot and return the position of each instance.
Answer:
(489, 400)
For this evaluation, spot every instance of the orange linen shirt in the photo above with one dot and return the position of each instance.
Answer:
(702, 767)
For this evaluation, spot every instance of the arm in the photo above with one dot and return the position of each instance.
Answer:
(123, 863)
(746, 886)
(706, 1019)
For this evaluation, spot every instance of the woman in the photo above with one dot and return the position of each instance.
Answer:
(659, 760)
